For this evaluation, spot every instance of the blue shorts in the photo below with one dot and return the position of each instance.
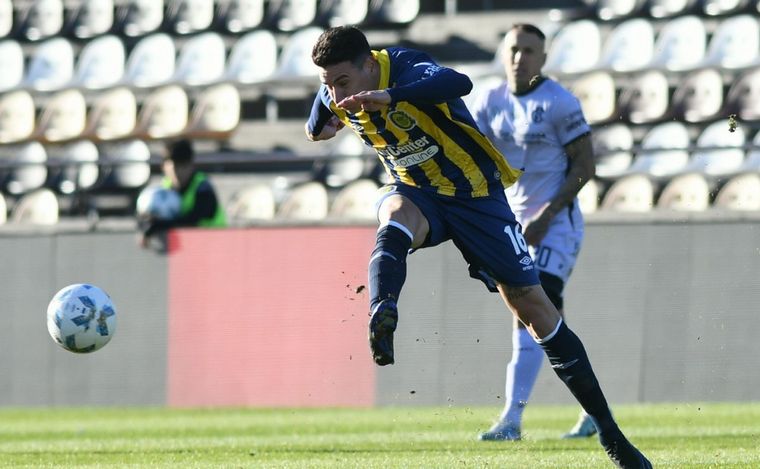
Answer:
(484, 230)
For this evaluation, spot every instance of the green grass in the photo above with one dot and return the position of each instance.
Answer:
(672, 435)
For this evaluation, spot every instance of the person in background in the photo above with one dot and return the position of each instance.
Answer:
(539, 127)
(448, 184)
(199, 204)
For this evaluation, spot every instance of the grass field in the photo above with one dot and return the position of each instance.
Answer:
(672, 435)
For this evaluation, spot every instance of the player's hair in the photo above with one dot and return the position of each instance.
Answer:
(529, 28)
(340, 44)
(179, 151)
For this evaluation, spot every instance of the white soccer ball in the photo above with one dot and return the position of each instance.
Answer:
(81, 318)
(159, 202)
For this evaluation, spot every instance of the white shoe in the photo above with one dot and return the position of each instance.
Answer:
(584, 428)
(501, 431)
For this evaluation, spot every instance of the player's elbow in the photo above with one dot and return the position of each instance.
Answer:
(464, 83)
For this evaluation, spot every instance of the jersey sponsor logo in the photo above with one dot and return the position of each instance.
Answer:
(402, 120)
(537, 115)
(416, 158)
(392, 152)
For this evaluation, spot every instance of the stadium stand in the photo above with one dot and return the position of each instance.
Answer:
(652, 76)
(251, 204)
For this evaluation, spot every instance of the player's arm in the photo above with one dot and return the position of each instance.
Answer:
(581, 169)
(322, 123)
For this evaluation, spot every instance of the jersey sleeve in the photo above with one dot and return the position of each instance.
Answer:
(320, 111)
(568, 118)
(415, 77)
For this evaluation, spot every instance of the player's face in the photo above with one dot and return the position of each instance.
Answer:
(347, 78)
(523, 58)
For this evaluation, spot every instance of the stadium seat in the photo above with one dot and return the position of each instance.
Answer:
(305, 202)
(253, 58)
(671, 8)
(663, 151)
(215, 114)
(100, 64)
(574, 49)
(127, 163)
(342, 12)
(634, 193)
(41, 19)
(752, 161)
(723, 7)
(17, 116)
(294, 14)
(394, 12)
(596, 93)
(3, 210)
(743, 98)
(91, 18)
(588, 197)
(612, 150)
(29, 170)
(139, 17)
(76, 166)
(238, 16)
(688, 192)
(698, 96)
(356, 201)
(630, 46)
(645, 98)
(113, 115)
(201, 60)
(12, 65)
(39, 207)
(251, 204)
(741, 192)
(163, 114)
(51, 66)
(6, 17)
(188, 16)
(295, 58)
(151, 62)
(734, 44)
(719, 151)
(680, 44)
(62, 118)
(607, 10)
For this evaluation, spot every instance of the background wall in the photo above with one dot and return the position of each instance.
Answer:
(276, 316)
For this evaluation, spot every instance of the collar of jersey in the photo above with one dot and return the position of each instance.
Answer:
(385, 67)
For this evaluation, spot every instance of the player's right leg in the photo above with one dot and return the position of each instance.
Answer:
(402, 226)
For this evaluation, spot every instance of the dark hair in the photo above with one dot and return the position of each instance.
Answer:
(179, 151)
(340, 44)
(529, 28)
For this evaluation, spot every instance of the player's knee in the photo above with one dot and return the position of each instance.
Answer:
(553, 287)
(399, 210)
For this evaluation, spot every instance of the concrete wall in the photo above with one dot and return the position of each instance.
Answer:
(668, 312)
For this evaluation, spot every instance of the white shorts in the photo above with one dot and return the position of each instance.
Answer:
(559, 249)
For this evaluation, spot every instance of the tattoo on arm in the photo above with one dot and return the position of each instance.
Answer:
(515, 293)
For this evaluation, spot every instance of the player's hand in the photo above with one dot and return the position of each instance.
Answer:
(366, 101)
(328, 131)
(535, 230)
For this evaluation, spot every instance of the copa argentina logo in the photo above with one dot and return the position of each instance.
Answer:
(402, 120)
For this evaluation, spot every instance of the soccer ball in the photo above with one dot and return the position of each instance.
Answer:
(158, 202)
(81, 318)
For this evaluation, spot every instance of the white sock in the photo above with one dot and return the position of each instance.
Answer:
(522, 371)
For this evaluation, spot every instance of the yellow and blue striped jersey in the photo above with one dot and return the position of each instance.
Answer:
(426, 137)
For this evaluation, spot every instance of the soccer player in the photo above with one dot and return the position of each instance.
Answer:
(539, 127)
(448, 185)
(200, 205)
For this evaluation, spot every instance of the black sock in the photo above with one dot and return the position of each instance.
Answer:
(387, 266)
(569, 360)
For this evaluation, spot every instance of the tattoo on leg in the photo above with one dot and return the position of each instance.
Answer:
(515, 293)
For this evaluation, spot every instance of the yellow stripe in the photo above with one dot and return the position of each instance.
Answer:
(384, 60)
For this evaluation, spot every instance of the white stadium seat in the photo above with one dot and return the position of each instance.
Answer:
(17, 116)
(253, 58)
(29, 171)
(574, 49)
(100, 63)
(305, 202)
(36, 208)
(113, 115)
(139, 17)
(151, 62)
(634, 193)
(616, 9)
(201, 60)
(6, 17)
(612, 150)
(645, 99)
(588, 197)
(51, 66)
(63, 117)
(3, 210)
(663, 151)
(723, 7)
(92, 18)
(699, 96)
(670, 8)
(42, 19)
(397, 11)
(296, 14)
(688, 192)
(252, 204)
(12, 65)
(128, 163)
(344, 12)
(356, 201)
(680, 44)
(163, 113)
(295, 58)
(711, 160)
(735, 44)
(189, 16)
(741, 192)
(215, 114)
(243, 15)
(78, 168)
(743, 98)
(596, 93)
(630, 46)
